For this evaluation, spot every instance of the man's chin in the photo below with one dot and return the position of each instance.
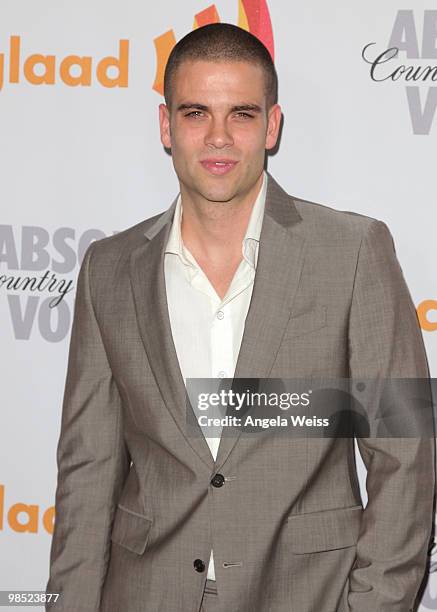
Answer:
(217, 194)
(219, 198)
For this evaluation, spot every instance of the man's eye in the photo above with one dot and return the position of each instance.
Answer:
(194, 114)
(245, 115)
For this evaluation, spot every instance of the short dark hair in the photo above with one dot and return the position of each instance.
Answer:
(222, 42)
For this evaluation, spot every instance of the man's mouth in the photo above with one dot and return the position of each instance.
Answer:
(218, 166)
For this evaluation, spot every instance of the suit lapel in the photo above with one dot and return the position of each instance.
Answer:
(277, 276)
(148, 287)
(280, 259)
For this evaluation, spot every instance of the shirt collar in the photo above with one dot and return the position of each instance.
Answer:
(251, 238)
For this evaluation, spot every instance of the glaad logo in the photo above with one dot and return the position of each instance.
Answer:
(74, 70)
(27, 306)
(385, 66)
(25, 518)
(253, 16)
(423, 311)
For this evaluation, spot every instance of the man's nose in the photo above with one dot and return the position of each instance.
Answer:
(218, 134)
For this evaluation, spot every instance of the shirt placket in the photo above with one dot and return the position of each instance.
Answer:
(221, 340)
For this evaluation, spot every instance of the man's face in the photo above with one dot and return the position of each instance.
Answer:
(218, 128)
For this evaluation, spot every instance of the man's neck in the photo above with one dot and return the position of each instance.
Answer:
(214, 231)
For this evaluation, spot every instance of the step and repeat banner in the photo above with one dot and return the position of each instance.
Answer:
(81, 159)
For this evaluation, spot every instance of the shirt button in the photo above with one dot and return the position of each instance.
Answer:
(199, 565)
(222, 374)
(220, 314)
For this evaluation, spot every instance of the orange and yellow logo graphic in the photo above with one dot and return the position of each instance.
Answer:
(253, 16)
(113, 70)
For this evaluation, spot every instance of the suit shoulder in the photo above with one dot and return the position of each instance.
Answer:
(331, 223)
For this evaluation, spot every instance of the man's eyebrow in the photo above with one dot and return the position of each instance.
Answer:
(255, 108)
(188, 105)
(248, 107)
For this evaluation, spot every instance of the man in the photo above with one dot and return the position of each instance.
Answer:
(236, 279)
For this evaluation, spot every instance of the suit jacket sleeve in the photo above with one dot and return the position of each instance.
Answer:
(92, 463)
(385, 341)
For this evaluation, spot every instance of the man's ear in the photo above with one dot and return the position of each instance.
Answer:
(273, 125)
(164, 125)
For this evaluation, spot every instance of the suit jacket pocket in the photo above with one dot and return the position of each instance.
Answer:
(324, 530)
(131, 529)
(306, 321)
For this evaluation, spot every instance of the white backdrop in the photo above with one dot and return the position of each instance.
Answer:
(81, 162)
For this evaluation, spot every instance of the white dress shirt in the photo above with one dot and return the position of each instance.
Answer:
(207, 330)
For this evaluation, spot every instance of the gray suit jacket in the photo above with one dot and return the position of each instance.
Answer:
(135, 506)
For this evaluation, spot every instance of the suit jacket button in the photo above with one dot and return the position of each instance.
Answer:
(218, 480)
(199, 565)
